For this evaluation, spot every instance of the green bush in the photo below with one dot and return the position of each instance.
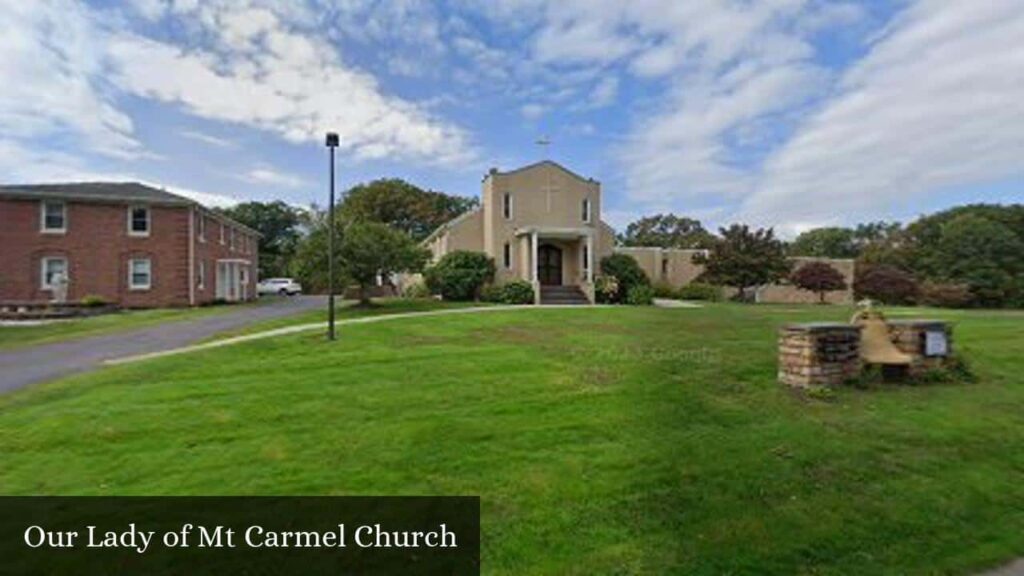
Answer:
(460, 275)
(626, 271)
(93, 301)
(606, 289)
(945, 295)
(416, 290)
(663, 289)
(492, 293)
(701, 291)
(515, 292)
(640, 295)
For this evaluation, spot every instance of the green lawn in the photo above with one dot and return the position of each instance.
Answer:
(627, 440)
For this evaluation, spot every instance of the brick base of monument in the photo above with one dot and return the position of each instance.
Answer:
(910, 337)
(818, 354)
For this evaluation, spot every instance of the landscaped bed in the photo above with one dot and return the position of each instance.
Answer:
(613, 440)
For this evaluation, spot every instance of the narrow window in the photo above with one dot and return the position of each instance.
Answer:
(138, 221)
(221, 232)
(664, 268)
(54, 217)
(586, 210)
(232, 242)
(201, 227)
(586, 258)
(200, 275)
(506, 206)
(51, 267)
(140, 274)
(508, 256)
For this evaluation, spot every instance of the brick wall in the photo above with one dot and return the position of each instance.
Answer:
(209, 249)
(98, 248)
(818, 354)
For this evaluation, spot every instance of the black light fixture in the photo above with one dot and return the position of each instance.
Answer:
(332, 143)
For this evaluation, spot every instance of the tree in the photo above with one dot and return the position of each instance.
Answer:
(370, 250)
(310, 263)
(627, 273)
(403, 206)
(818, 277)
(278, 225)
(825, 243)
(887, 284)
(460, 275)
(742, 258)
(979, 252)
(666, 231)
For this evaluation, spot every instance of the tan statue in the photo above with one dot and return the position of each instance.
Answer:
(875, 345)
(60, 282)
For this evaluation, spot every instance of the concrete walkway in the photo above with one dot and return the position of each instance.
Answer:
(22, 367)
(673, 303)
(323, 326)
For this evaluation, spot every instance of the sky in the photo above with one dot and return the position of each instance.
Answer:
(784, 113)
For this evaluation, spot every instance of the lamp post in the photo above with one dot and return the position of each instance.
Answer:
(332, 143)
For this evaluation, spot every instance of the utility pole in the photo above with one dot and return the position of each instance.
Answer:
(332, 143)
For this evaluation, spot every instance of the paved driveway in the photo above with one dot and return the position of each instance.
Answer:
(25, 366)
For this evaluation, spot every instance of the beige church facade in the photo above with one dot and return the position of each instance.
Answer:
(542, 224)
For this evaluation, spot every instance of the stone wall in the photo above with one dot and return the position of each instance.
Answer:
(910, 337)
(818, 354)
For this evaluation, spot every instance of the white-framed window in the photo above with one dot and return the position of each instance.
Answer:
(50, 266)
(232, 237)
(200, 274)
(140, 274)
(586, 210)
(53, 217)
(138, 221)
(506, 205)
(507, 256)
(221, 232)
(200, 226)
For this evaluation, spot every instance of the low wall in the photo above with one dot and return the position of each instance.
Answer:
(928, 342)
(818, 354)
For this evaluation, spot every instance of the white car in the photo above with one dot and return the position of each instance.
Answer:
(282, 286)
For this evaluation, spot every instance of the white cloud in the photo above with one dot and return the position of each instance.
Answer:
(270, 176)
(253, 62)
(208, 139)
(938, 102)
(21, 165)
(532, 111)
(51, 65)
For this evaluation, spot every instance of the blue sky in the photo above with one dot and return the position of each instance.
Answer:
(789, 113)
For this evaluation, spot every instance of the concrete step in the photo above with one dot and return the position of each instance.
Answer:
(562, 295)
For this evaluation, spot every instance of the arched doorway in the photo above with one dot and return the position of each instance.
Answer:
(549, 265)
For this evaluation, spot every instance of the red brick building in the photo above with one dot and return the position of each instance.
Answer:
(128, 243)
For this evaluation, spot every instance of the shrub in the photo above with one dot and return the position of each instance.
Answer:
(460, 275)
(517, 292)
(945, 295)
(93, 301)
(416, 290)
(640, 295)
(701, 291)
(606, 289)
(626, 271)
(818, 277)
(492, 293)
(887, 284)
(663, 289)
